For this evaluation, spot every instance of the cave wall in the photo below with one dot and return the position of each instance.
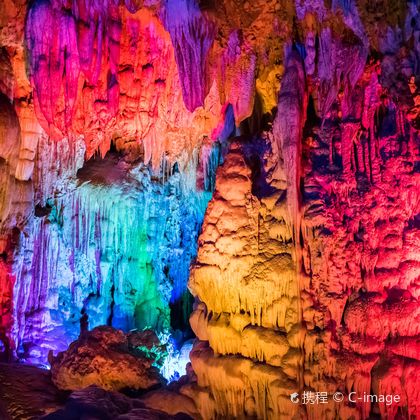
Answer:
(113, 251)
(114, 117)
(300, 280)
(341, 315)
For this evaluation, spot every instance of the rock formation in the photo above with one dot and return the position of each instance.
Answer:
(98, 403)
(106, 358)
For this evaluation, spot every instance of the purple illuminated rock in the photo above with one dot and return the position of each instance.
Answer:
(192, 35)
(96, 403)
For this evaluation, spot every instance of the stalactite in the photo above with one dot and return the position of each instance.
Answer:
(238, 76)
(9, 133)
(30, 132)
(192, 36)
(287, 130)
(349, 132)
(371, 101)
(85, 83)
(105, 239)
(6, 72)
(310, 53)
(120, 120)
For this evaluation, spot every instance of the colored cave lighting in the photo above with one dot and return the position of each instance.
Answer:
(118, 253)
(176, 360)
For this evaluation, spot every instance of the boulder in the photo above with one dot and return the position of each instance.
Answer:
(103, 357)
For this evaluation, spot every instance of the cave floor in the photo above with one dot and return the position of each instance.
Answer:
(26, 392)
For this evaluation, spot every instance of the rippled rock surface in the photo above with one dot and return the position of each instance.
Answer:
(103, 357)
